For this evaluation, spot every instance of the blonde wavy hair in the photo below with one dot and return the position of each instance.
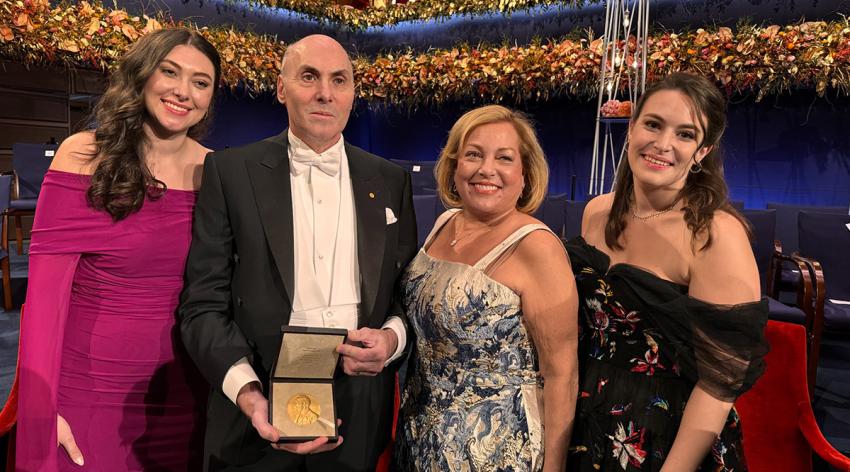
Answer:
(535, 171)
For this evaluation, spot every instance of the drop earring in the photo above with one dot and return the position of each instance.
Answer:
(696, 167)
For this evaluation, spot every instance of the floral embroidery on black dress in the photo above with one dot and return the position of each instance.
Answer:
(643, 346)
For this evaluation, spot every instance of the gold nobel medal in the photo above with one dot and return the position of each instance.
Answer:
(303, 409)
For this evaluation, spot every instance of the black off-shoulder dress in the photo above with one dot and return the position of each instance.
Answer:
(643, 346)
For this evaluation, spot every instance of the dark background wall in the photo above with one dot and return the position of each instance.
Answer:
(793, 148)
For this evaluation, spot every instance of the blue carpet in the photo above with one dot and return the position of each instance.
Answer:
(832, 394)
(10, 321)
(9, 328)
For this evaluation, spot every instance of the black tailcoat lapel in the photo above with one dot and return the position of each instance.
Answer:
(367, 185)
(272, 191)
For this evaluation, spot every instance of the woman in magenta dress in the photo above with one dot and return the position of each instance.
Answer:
(101, 370)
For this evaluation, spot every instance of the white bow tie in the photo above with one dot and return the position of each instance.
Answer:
(327, 162)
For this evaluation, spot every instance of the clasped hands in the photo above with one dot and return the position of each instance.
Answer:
(365, 353)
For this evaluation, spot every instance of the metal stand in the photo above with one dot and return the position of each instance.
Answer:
(624, 52)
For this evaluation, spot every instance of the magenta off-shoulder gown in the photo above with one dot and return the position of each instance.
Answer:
(98, 337)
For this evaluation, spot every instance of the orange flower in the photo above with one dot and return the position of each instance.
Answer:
(68, 45)
(6, 33)
(151, 26)
(94, 25)
(86, 8)
(117, 17)
(770, 32)
(130, 32)
(23, 20)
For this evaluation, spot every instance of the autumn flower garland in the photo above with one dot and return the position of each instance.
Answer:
(752, 59)
(89, 35)
(420, 10)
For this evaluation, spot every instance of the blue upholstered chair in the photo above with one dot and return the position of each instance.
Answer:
(575, 212)
(825, 247)
(552, 213)
(421, 175)
(786, 235)
(30, 162)
(771, 262)
(786, 222)
(427, 208)
(825, 241)
(763, 224)
(5, 192)
(764, 229)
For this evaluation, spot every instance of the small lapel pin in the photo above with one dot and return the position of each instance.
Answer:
(371, 195)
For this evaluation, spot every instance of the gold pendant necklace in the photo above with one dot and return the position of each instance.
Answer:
(458, 231)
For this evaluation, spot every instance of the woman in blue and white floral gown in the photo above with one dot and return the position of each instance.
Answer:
(492, 302)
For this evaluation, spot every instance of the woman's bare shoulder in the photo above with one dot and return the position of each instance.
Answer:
(725, 272)
(198, 152)
(76, 154)
(596, 214)
(599, 205)
(727, 232)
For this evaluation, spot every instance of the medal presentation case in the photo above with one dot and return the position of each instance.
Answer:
(301, 389)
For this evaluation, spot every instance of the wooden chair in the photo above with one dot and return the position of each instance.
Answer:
(825, 249)
(5, 193)
(780, 431)
(825, 244)
(772, 262)
(30, 162)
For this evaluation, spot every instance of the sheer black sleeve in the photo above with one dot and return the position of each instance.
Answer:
(720, 348)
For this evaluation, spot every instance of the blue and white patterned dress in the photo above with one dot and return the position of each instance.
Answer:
(473, 398)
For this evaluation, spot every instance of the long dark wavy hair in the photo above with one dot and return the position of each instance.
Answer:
(704, 192)
(122, 180)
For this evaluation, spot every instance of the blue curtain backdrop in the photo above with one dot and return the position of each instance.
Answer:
(793, 148)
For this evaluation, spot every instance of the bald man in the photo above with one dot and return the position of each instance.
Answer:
(299, 229)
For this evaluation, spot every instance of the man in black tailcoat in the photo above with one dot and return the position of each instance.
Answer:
(301, 229)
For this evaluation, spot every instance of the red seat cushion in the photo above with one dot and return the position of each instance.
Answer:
(769, 411)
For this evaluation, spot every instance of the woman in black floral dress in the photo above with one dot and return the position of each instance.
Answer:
(671, 322)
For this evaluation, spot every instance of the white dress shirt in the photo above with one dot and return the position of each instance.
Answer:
(327, 275)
